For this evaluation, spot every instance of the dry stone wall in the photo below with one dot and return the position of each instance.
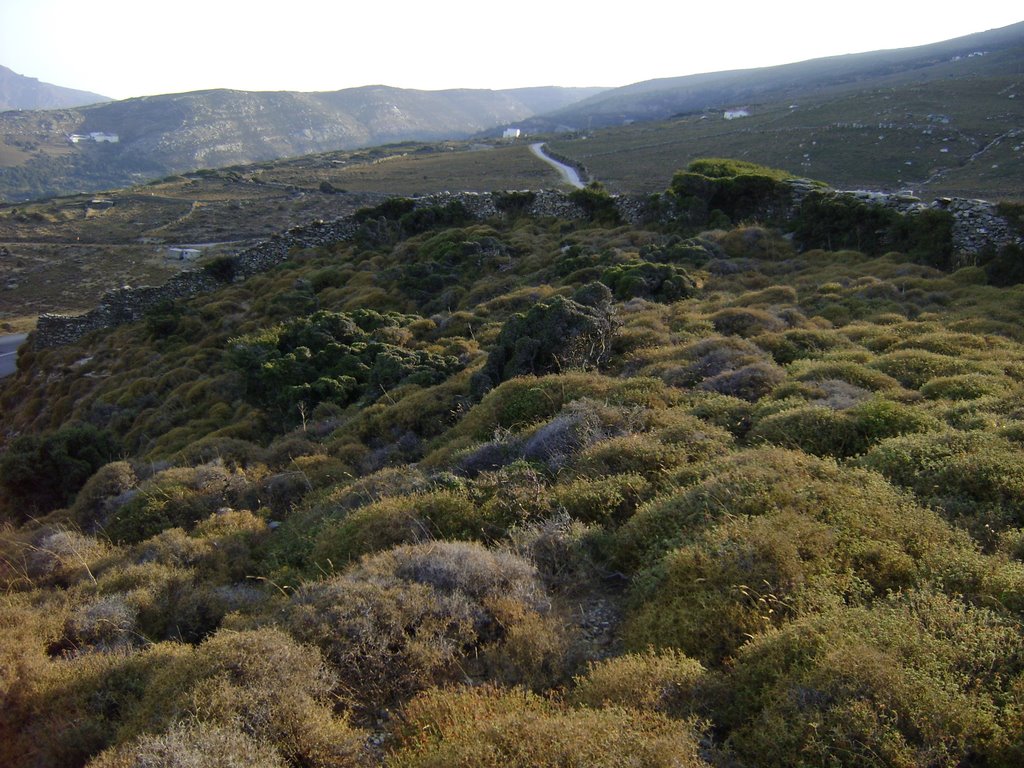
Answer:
(977, 224)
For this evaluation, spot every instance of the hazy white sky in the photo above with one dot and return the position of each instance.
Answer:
(123, 48)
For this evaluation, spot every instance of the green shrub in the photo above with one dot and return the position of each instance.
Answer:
(658, 282)
(553, 336)
(824, 431)
(968, 386)
(794, 344)
(745, 321)
(877, 419)
(925, 237)
(334, 358)
(488, 727)
(604, 500)
(642, 455)
(222, 268)
(856, 373)
(375, 527)
(914, 367)
(174, 498)
(519, 403)
(1006, 268)
(402, 520)
(392, 208)
(739, 578)
(723, 411)
(968, 473)
(838, 222)
(513, 204)
(914, 681)
(738, 189)
(765, 481)
(597, 204)
(667, 681)
(815, 429)
(96, 499)
(700, 438)
(41, 472)
(821, 542)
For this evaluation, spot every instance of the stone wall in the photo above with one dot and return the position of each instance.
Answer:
(976, 225)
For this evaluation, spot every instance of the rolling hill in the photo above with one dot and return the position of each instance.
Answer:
(942, 120)
(1002, 51)
(119, 143)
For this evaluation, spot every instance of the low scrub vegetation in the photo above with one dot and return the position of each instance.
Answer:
(529, 492)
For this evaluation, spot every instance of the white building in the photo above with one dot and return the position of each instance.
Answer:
(732, 114)
(98, 136)
(511, 133)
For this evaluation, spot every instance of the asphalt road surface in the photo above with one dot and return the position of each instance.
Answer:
(569, 173)
(9, 353)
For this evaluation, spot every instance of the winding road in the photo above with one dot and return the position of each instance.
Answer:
(9, 353)
(569, 174)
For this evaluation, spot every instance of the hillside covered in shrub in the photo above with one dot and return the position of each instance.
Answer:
(529, 492)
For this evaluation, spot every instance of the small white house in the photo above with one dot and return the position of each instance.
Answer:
(511, 133)
(184, 254)
(97, 136)
(732, 114)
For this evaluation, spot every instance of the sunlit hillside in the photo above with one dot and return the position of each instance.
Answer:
(534, 490)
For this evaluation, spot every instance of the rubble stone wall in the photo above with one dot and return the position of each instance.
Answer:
(977, 224)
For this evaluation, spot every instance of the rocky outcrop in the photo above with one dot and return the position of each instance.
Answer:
(976, 225)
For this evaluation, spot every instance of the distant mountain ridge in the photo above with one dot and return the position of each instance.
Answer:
(125, 142)
(666, 97)
(22, 92)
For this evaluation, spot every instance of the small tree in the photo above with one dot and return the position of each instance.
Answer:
(41, 473)
(555, 335)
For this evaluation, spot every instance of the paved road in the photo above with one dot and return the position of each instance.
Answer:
(9, 353)
(569, 174)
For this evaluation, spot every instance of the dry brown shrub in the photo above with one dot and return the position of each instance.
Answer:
(192, 746)
(402, 620)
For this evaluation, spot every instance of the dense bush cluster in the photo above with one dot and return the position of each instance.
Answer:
(525, 492)
(719, 192)
(334, 358)
(554, 335)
